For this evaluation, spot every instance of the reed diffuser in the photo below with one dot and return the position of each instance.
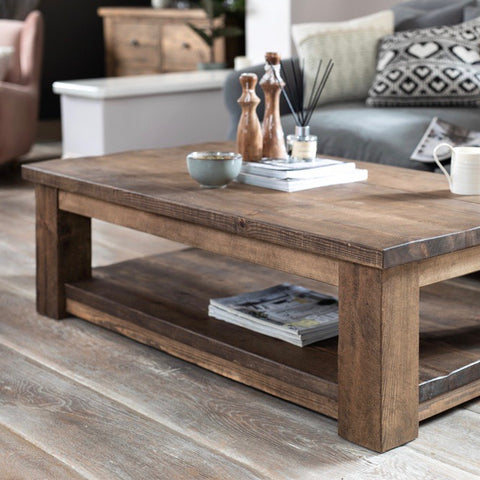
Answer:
(302, 146)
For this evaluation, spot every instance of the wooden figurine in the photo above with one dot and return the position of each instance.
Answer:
(272, 84)
(249, 131)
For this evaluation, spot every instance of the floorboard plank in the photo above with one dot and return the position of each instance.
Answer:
(96, 436)
(240, 422)
(473, 406)
(454, 438)
(20, 459)
(411, 466)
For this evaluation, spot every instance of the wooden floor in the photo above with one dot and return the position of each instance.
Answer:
(80, 402)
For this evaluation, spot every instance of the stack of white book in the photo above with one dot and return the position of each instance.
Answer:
(287, 312)
(294, 176)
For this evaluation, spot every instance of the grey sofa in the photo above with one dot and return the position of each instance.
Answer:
(386, 135)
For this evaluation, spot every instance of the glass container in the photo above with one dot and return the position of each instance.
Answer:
(302, 145)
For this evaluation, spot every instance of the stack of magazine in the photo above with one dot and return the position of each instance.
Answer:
(439, 131)
(294, 176)
(288, 312)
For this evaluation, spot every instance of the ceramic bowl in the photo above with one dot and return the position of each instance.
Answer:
(214, 169)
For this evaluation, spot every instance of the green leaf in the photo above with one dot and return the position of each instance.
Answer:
(227, 32)
(203, 34)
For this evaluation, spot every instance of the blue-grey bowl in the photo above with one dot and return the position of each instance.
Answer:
(214, 169)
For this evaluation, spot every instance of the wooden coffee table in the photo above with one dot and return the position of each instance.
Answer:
(385, 243)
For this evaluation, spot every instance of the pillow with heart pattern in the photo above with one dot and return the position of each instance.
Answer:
(438, 66)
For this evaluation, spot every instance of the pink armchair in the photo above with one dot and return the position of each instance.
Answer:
(19, 92)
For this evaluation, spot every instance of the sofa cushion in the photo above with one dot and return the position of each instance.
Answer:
(380, 135)
(5, 58)
(429, 13)
(469, 13)
(433, 66)
(351, 45)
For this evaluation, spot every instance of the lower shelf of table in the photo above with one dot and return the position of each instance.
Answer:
(162, 301)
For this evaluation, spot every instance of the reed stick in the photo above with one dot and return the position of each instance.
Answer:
(302, 111)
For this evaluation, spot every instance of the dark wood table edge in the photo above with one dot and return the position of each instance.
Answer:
(388, 257)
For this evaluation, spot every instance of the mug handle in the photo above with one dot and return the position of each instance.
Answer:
(442, 168)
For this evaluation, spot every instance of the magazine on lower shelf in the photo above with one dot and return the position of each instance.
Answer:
(439, 131)
(288, 312)
(278, 168)
(297, 184)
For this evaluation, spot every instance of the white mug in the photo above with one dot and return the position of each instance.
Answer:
(464, 178)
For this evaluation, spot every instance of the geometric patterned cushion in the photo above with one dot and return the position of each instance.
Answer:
(438, 66)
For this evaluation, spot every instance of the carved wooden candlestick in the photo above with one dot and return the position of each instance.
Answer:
(272, 84)
(249, 131)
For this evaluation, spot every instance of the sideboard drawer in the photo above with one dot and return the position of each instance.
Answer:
(146, 40)
(182, 48)
(136, 35)
(137, 55)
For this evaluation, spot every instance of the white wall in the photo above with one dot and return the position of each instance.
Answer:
(266, 28)
(268, 21)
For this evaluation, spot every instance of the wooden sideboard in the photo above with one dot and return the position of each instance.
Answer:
(147, 40)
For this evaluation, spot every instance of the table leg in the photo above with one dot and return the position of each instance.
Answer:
(63, 242)
(378, 355)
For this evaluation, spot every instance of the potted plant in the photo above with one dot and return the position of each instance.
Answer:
(215, 10)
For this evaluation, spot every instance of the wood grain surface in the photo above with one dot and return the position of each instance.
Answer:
(418, 218)
(413, 466)
(63, 245)
(378, 356)
(19, 459)
(161, 299)
(249, 131)
(260, 252)
(45, 414)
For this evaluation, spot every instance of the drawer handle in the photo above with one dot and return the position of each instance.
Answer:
(186, 46)
(134, 42)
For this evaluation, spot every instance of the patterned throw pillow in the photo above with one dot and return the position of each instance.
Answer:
(438, 66)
